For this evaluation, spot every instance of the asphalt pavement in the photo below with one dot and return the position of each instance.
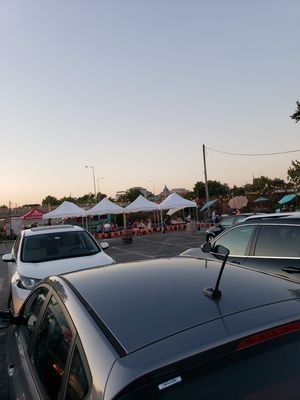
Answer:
(143, 247)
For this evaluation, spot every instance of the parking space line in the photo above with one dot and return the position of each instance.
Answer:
(132, 252)
(165, 243)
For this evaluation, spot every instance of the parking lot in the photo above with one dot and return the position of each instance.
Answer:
(143, 247)
(155, 245)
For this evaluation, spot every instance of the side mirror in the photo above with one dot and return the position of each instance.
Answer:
(206, 247)
(104, 245)
(6, 317)
(221, 250)
(8, 257)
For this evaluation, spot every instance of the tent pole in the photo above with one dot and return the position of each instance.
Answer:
(124, 221)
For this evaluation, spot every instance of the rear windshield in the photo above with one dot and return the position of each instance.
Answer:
(51, 246)
(269, 370)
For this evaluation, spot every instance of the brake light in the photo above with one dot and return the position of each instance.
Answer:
(268, 334)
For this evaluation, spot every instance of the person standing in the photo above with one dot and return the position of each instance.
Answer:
(213, 216)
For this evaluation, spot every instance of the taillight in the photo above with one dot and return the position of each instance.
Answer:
(268, 334)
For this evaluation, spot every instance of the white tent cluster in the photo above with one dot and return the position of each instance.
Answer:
(105, 206)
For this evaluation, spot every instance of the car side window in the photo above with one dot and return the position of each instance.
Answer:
(278, 241)
(237, 240)
(32, 311)
(77, 385)
(52, 346)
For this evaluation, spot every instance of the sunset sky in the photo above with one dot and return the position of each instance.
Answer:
(134, 88)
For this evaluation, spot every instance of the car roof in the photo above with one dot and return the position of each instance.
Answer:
(292, 217)
(51, 229)
(245, 215)
(142, 303)
(233, 215)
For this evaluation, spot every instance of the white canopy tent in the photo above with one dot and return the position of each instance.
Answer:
(141, 204)
(66, 209)
(105, 206)
(138, 205)
(176, 201)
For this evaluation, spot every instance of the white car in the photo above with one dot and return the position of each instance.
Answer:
(48, 250)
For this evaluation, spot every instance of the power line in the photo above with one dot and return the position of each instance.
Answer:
(252, 154)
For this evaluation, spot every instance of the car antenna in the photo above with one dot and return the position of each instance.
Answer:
(215, 293)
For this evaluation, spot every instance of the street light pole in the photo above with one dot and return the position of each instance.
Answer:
(101, 177)
(153, 188)
(93, 169)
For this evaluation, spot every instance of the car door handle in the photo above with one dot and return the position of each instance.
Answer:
(291, 270)
(236, 262)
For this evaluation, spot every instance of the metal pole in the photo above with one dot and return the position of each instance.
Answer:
(10, 232)
(93, 169)
(94, 184)
(98, 190)
(205, 174)
(153, 188)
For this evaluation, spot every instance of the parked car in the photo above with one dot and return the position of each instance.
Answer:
(267, 242)
(225, 223)
(148, 330)
(42, 251)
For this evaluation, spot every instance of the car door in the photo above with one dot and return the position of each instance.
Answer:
(20, 339)
(48, 361)
(277, 250)
(238, 241)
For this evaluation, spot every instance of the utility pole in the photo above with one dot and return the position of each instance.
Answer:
(93, 169)
(205, 174)
(10, 232)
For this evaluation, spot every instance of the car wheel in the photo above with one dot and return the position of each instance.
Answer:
(210, 238)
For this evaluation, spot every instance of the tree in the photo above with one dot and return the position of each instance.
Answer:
(100, 196)
(50, 200)
(88, 198)
(190, 196)
(215, 188)
(67, 198)
(238, 190)
(199, 189)
(132, 194)
(278, 183)
(296, 115)
(294, 173)
(260, 185)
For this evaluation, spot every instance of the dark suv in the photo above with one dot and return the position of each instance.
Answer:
(156, 330)
(269, 242)
(225, 223)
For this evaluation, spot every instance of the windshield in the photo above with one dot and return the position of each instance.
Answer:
(232, 220)
(228, 221)
(53, 246)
